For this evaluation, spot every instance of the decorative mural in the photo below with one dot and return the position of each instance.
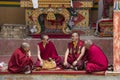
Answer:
(32, 19)
(82, 18)
(83, 4)
(107, 4)
(57, 16)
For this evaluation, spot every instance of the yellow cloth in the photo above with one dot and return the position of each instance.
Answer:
(48, 64)
(74, 44)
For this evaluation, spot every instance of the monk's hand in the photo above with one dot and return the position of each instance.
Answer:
(65, 63)
(29, 53)
(74, 63)
(50, 59)
(41, 62)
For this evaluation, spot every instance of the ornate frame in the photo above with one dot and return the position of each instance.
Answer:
(37, 12)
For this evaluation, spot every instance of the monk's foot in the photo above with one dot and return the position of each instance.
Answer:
(27, 72)
(88, 72)
(110, 68)
(58, 68)
(71, 67)
(75, 68)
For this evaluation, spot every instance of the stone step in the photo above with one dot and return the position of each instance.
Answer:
(57, 77)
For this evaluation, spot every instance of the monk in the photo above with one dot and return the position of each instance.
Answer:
(21, 61)
(96, 59)
(74, 55)
(47, 51)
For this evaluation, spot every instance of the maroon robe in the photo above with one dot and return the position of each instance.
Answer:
(49, 51)
(96, 60)
(74, 54)
(19, 62)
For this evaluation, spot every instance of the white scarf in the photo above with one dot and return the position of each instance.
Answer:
(35, 3)
(71, 3)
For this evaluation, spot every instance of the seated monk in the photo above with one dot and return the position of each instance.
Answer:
(21, 61)
(96, 59)
(74, 55)
(47, 51)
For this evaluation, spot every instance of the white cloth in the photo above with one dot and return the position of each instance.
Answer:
(100, 9)
(35, 3)
(100, 12)
(97, 23)
(71, 4)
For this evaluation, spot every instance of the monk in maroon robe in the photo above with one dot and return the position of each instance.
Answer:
(21, 61)
(74, 56)
(47, 51)
(96, 59)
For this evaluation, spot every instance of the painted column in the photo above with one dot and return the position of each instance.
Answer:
(116, 38)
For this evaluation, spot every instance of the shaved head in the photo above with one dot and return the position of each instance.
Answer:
(25, 45)
(75, 36)
(44, 36)
(88, 43)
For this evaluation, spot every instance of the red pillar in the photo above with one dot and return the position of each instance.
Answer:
(116, 38)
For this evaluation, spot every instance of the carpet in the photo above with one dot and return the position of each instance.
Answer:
(63, 72)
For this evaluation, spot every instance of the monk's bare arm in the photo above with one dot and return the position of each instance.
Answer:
(38, 51)
(66, 55)
(82, 53)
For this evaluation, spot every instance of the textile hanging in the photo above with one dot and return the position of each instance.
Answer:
(109, 1)
(106, 6)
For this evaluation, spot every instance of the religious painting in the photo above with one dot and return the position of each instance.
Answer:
(82, 19)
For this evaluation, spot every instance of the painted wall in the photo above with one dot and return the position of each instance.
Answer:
(12, 15)
(16, 15)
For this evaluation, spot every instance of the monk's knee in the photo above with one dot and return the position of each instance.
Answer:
(89, 67)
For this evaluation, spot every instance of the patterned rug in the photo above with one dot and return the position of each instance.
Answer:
(65, 72)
